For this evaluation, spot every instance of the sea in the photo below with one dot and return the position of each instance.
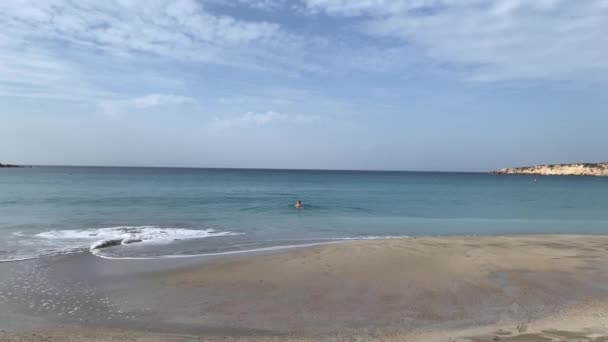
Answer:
(147, 213)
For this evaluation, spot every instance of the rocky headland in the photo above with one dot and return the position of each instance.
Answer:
(576, 169)
(9, 165)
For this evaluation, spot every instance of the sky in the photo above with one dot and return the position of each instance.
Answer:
(444, 85)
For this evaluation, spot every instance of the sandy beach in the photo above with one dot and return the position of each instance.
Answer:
(509, 288)
(303, 170)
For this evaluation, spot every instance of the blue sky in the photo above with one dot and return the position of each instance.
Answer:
(460, 85)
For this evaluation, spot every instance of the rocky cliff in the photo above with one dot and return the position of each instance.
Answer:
(580, 169)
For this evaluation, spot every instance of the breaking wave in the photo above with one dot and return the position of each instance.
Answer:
(62, 242)
(105, 242)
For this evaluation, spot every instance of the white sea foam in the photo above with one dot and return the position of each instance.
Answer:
(244, 251)
(96, 240)
(131, 233)
(19, 258)
(372, 237)
(60, 242)
(328, 241)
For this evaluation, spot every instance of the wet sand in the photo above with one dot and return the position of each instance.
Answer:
(513, 288)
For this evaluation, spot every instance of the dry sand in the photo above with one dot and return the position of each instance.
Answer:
(516, 288)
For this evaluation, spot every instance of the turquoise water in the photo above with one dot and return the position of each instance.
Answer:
(151, 212)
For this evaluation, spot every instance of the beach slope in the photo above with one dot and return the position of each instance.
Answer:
(513, 288)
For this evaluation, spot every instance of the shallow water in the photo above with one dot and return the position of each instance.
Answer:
(151, 212)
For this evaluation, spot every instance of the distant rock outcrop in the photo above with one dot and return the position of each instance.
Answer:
(577, 169)
(8, 165)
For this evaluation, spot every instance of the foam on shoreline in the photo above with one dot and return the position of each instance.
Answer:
(328, 241)
(100, 241)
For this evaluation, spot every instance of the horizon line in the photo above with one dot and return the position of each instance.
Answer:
(243, 168)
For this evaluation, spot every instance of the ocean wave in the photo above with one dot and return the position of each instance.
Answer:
(143, 233)
(61, 242)
(102, 242)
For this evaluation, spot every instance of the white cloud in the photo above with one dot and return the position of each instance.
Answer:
(266, 5)
(180, 28)
(116, 107)
(153, 100)
(69, 50)
(180, 33)
(496, 40)
(251, 119)
(28, 71)
(60, 37)
(360, 7)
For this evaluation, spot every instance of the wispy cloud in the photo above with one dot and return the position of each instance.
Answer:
(251, 119)
(495, 40)
(153, 100)
(116, 107)
(266, 5)
(180, 29)
(81, 50)
(47, 45)
(29, 71)
(86, 42)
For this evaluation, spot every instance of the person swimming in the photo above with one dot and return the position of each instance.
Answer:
(299, 204)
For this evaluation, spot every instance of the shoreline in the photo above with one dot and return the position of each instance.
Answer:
(288, 247)
(461, 286)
